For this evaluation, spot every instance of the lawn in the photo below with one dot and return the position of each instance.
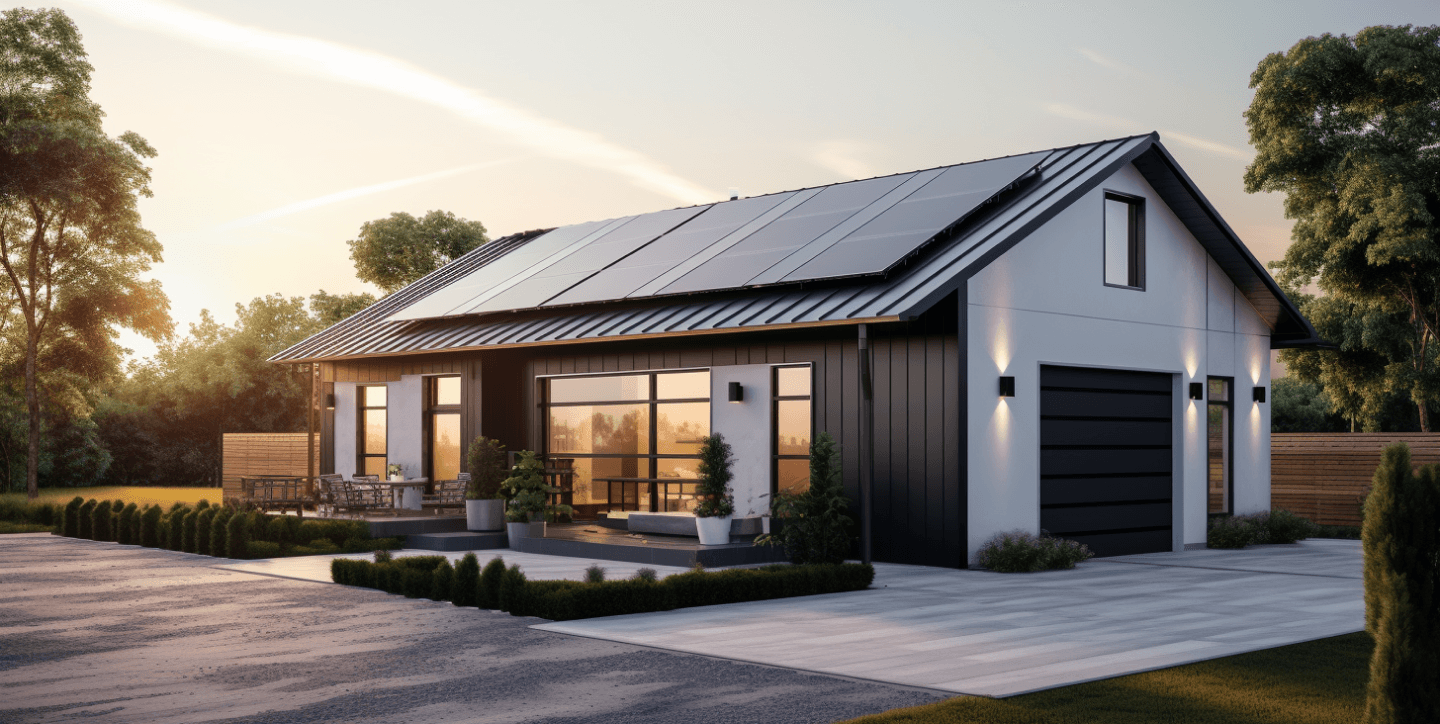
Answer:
(138, 496)
(1319, 682)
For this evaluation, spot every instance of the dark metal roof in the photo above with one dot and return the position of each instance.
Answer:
(1064, 175)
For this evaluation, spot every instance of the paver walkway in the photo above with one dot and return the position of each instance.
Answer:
(995, 634)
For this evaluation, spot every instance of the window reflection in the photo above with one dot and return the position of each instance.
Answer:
(447, 390)
(682, 386)
(681, 426)
(600, 389)
(792, 382)
(445, 446)
(792, 431)
(600, 429)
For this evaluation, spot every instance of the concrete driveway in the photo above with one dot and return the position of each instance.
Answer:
(994, 634)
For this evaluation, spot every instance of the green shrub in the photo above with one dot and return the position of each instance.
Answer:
(442, 581)
(190, 530)
(71, 526)
(383, 557)
(511, 591)
(595, 573)
(203, 504)
(487, 593)
(712, 490)
(150, 522)
(237, 536)
(646, 574)
(202, 530)
(486, 462)
(265, 549)
(1401, 541)
(1230, 532)
(127, 529)
(220, 531)
(320, 547)
(815, 525)
(1282, 526)
(1342, 532)
(467, 577)
(85, 516)
(1019, 552)
(102, 522)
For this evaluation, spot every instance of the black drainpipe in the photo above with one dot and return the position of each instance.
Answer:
(867, 444)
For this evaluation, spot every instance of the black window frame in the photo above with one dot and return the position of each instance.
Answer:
(775, 399)
(1229, 404)
(1135, 246)
(432, 408)
(360, 408)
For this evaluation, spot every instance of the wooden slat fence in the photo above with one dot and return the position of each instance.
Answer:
(263, 453)
(1324, 475)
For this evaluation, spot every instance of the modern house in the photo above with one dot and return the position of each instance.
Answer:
(1070, 340)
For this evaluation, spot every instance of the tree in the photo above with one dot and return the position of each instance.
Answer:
(71, 244)
(398, 250)
(816, 522)
(1349, 129)
(331, 309)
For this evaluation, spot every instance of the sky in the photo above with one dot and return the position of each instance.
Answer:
(283, 126)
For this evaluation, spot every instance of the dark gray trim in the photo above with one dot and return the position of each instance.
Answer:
(1135, 244)
(962, 441)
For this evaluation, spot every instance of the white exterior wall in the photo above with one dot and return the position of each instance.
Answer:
(1044, 302)
(345, 413)
(746, 426)
(403, 420)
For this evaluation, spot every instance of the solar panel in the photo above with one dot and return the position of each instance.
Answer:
(740, 263)
(444, 301)
(584, 261)
(892, 235)
(636, 270)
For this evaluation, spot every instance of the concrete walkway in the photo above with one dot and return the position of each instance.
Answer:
(537, 567)
(994, 634)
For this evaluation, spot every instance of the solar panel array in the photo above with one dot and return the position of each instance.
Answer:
(858, 228)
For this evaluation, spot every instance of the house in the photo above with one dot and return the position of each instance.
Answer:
(1071, 340)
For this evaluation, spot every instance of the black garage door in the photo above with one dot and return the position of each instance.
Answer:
(1105, 460)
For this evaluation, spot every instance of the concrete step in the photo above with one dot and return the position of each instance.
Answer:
(458, 541)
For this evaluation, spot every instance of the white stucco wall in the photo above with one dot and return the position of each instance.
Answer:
(746, 426)
(1044, 302)
(345, 411)
(402, 421)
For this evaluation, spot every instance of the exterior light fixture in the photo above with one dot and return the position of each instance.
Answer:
(330, 400)
(1197, 390)
(1007, 386)
(1259, 394)
(737, 393)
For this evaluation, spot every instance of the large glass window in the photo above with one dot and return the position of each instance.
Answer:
(1124, 241)
(1218, 428)
(371, 430)
(634, 438)
(442, 402)
(792, 429)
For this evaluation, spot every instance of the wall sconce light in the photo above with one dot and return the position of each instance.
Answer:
(1259, 394)
(1197, 390)
(1007, 386)
(737, 393)
(330, 400)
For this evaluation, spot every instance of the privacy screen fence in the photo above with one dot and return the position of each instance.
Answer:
(263, 453)
(1325, 476)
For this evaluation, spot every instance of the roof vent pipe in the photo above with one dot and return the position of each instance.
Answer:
(734, 193)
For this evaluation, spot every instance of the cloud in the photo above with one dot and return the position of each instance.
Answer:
(840, 156)
(1077, 114)
(348, 194)
(1126, 125)
(1111, 63)
(1207, 145)
(335, 62)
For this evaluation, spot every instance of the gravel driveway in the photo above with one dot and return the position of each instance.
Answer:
(131, 634)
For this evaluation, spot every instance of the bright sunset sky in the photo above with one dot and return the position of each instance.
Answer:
(282, 126)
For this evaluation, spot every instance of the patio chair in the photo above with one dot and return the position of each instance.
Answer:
(448, 494)
(365, 494)
(328, 493)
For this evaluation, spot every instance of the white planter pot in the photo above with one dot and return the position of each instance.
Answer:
(485, 515)
(713, 531)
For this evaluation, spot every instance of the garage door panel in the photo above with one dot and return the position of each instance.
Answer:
(1105, 432)
(1103, 518)
(1125, 544)
(1099, 404)
(1104, 379)
(1065, 491)
(1104, 462)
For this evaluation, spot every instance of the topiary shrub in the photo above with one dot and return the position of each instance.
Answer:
(190, 531)
(127, 529)
(1230, 532)
(266, 549)
(237, 536)
(85, 520)
(102, 522)
(817, 525)
(646, 574)
(71, 524)
(442, 580)
(202, 530)
(467, 577)
(1282, 526)
(1401, 541)
(220, 531)
(486, 461)
(1020, 552)
(595, 573)
(150, 527)
(487, 593)
(512, 591)
(712, 490)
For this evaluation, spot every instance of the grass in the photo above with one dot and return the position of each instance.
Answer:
(139, 496)
(7, 526)
(1318, 682)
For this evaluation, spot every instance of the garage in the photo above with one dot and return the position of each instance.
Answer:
(1106, 465)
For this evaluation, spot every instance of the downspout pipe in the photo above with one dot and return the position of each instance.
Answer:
(867, 444)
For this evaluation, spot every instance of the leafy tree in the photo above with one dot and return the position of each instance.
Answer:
(1299, 406)
(331, 309)
(1349, 129)
(817, 525)
(398, 250)
(71, 245)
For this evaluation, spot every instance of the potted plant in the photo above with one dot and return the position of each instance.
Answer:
(529, 497)
(716, 504)
(395, 472)
(484, 508)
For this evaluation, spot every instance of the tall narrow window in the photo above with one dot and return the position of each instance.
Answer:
(372, 431)
(1124, 241)
(790, 445)
(1218, 429)
(442, 401)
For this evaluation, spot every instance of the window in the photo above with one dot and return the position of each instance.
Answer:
(1124, 241)
(1218, 429)
(792, 430)
(634, 438)
(442, 417)
(372, 431)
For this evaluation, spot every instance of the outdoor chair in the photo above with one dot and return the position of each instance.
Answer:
(327, 493)
(448, 494)
(365, 494)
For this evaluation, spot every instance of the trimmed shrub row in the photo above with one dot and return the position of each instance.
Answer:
(1238, 531)
(507, 589)
(1020, 552)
